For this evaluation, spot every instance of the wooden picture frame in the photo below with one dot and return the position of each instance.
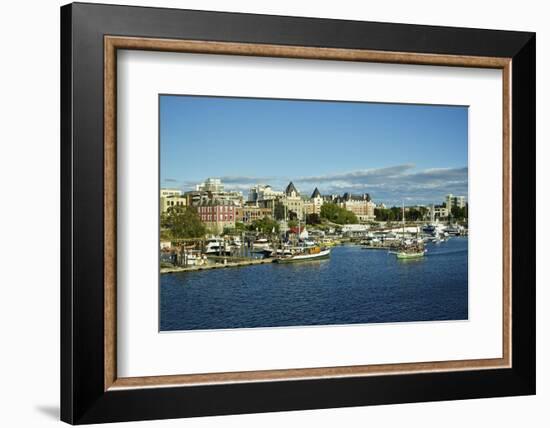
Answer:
(91, 390)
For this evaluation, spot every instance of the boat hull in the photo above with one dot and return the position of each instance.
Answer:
(409, 255)
(325, 254)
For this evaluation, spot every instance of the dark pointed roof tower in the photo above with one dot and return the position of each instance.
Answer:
(291, 188)
(316, 193)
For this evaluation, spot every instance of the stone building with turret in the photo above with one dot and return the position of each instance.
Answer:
(292, 202)
(361, 205)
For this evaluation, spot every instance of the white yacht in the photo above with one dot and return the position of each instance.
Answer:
(216, 246)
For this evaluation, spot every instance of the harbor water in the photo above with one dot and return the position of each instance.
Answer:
(353, 286)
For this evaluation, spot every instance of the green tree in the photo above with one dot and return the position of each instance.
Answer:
(414, 214)
(382, 214)
(292, 223)
(396, 214)
(279, 211)
(313, 218)
(183, 222)
(330, 211)
(338, 215)
(264, 225)
(239, 227)
(458, 213)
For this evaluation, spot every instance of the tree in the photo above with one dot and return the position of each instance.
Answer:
(313, 218)
(330, 211)
(279, 211)
(413, 214)
(458, 213)
(264, 225)
(338, 215)
(183, 222)
(382, 214)
(292, 223)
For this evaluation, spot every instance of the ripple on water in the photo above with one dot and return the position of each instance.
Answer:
(353, 286)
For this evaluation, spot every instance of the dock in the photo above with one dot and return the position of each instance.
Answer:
(228, 264)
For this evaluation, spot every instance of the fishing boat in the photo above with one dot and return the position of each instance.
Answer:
(305, 254)
(285, 250)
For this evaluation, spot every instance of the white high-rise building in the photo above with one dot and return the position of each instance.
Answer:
(454, 201)
(213, 185)
(263, 192)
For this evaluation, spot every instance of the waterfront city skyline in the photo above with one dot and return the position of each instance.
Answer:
(394, 152)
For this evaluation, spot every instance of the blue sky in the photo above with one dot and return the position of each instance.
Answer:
(417, 153)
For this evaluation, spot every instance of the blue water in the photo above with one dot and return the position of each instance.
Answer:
(353, 286)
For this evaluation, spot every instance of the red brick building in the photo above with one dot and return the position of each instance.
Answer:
(216, 214)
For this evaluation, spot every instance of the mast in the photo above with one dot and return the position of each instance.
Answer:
(403, 220)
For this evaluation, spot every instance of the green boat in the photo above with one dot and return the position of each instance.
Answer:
(411, 250)
(410, 254)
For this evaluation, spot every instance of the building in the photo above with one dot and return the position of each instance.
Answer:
(263, 192)
(172, 201)
(213, 189)
(361, 205)
(213, 185)
(248, 213)
(169, 192)
(438, 211)
(217, 214)
(171, 198)
(317, 201)
(314, 203)
(454, 201)
(292, 202)
(355, 229)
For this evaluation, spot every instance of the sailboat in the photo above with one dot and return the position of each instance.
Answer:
(412, 250)
(303, 253)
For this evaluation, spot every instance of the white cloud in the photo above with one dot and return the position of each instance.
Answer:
(389, 185)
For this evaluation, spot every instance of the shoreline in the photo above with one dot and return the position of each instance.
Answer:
(177, 269)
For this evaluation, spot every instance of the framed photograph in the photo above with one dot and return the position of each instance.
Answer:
(265, 213)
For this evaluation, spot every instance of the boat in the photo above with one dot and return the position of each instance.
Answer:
(412, 253)
(236, 242)
(285, 250)
(193, 258)
(429, 228)
(261, 244)
(438, 238)
(305, 254)
(327, 242)
(216, 246)
(409, 249)
(453, 230)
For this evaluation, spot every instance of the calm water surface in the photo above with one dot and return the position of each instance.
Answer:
(353, 286)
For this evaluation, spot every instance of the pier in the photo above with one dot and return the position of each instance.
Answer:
(225, 262)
